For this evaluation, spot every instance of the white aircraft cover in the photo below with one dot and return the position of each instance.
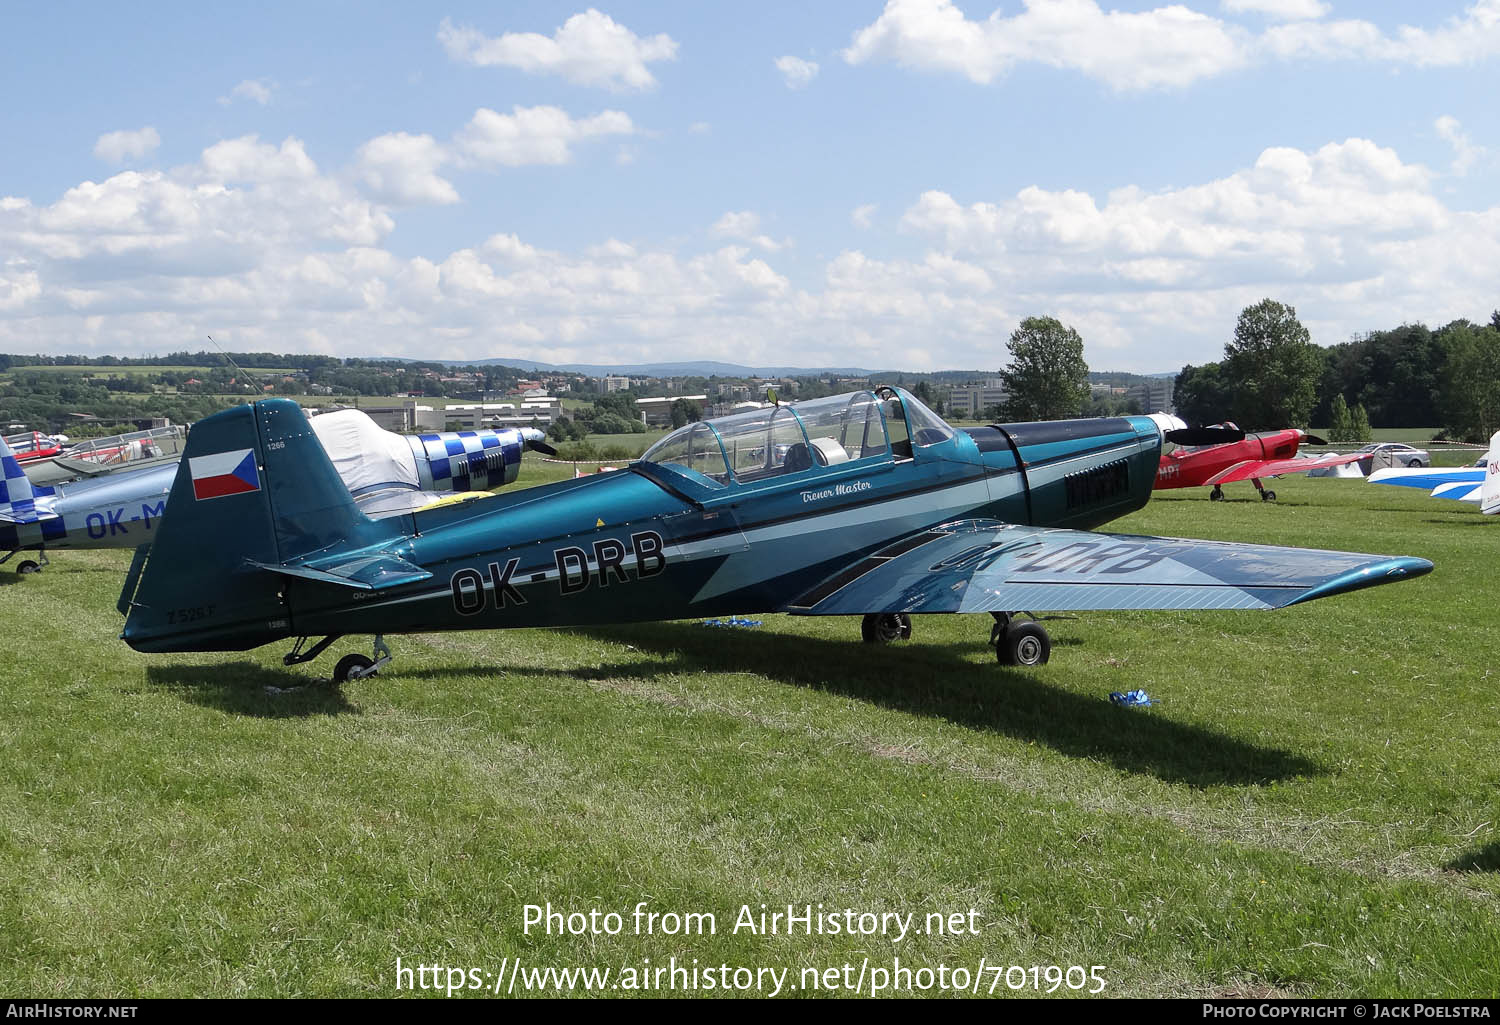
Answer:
(367, 456)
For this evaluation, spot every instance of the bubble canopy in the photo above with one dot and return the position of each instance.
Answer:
(776, 441)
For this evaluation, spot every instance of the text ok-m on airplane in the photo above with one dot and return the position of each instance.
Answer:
(861, 504)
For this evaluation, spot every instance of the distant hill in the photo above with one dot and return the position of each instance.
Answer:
(713, 368)
(701, 368)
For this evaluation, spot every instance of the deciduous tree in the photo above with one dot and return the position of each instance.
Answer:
(1272, 367)
(1047, 378)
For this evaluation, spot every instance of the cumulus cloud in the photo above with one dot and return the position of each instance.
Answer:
(255, 90)
(276, 252)
(1465, 153)
(743, 224)
(1285, 10)
(533, 135)
(589, 49)
(797, 72)
(118, 147)
(863, 217)
(402, 169)
(1167, 47)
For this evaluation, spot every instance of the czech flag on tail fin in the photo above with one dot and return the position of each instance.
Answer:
(224, 473)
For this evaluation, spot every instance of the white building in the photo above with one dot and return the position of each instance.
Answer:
(539, 411)
(972, 400)
(657, 412)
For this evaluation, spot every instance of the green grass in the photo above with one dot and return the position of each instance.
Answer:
(1312, 808)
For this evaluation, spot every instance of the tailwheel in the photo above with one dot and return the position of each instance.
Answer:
(353, 667)
(885, 627)
(1023, 644)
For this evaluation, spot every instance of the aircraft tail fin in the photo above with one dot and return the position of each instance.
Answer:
(254, 490)
(1489, 493)
(15, 486)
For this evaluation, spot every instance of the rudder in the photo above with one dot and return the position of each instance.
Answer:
(254, 486)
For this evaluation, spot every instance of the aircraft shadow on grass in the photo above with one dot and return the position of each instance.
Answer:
(1480, 859)
(240, 688)
(940, 680)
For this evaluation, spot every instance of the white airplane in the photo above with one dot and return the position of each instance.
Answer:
(387, 474)
(1459, 483)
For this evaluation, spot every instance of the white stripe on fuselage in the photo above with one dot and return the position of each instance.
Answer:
(957, 500)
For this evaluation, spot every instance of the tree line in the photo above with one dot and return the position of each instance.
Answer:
(1273, 375)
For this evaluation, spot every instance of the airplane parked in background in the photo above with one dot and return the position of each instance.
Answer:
(1226, 454)
(100, 456)
(860, 504)
(33, 445)
(1460, 483)
(386, 473)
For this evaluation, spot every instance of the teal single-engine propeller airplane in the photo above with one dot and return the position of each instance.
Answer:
(864, 504)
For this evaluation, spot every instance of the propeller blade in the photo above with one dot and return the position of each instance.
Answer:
(542, 447)
(1313, 439)
(1204, 436)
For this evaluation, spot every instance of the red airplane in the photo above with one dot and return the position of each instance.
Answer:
(1224, 454)
(33, 445)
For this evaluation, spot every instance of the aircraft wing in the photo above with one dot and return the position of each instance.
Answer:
(988, 566)
(1274, 467)
(379, 505)
(1424, 478)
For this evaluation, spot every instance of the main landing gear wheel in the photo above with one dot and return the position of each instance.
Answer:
(358, 667)
(353, 667)
(1020, 643)
(28, 567)
(885, 627)
(1268, 496)
(1216, 495)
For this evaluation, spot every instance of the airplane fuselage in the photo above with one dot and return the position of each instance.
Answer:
(118, 511)
(659, 542)
(544, 558)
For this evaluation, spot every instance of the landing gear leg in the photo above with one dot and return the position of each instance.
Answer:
(1265, 496)
(357, 667)
(27, 566)
(1216, 495)
(885, 627)
(1020, 643)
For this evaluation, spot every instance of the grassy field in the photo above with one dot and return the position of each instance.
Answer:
(1313, 808)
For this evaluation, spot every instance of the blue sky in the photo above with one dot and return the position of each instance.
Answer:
(840, 183)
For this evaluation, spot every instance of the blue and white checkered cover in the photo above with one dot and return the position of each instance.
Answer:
(467, 460)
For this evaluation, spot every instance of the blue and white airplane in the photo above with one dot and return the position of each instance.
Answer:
(1459, 483)
(864, 504)
(386, 473)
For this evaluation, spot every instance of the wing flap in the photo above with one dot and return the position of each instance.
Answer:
(981, 566)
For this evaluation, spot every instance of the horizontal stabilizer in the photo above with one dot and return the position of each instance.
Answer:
(981, 566)
(377, 572)
(1461, 491)
(31, 510)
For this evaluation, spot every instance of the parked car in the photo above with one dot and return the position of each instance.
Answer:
(1392, 453)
